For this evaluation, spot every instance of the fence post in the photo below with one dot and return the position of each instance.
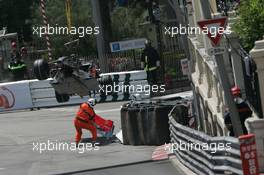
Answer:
(237, 63)
(257, 53)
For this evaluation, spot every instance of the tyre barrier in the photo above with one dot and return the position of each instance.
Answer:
(145, 123)
(203, 161)
(179, 113)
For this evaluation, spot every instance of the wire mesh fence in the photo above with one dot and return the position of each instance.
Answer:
(129, 61)
(124, 61)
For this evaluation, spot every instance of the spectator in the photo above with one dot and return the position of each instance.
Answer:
(243, 110)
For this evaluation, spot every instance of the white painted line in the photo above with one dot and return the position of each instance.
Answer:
(119, 135)
(109, 110)
(76, 109)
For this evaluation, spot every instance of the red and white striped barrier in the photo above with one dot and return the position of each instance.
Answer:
(45, 21)
(162, 152)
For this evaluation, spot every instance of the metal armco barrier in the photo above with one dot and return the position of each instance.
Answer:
(208, 160)
(30, 94)
(145, 123)
(129, 76)
(43, 95)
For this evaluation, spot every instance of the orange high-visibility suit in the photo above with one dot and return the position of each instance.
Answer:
(87, 119)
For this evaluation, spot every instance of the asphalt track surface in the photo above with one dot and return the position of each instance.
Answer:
(21, 130)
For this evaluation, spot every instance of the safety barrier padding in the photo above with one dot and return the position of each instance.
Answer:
(130, 76)
(29, 94)
(145, 123)
(15, 96)
(43, 94)
(204, 161)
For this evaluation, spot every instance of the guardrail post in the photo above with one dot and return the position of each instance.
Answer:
(237, 62)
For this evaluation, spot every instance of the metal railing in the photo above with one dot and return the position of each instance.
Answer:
(130, 60)
(209, 160)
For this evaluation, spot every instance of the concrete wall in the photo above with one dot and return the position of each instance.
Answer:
(208, 90)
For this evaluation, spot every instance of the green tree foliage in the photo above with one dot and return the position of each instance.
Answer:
(126, 22)
(81, 17)
(20, 16)
(15, 15)
(250, 26)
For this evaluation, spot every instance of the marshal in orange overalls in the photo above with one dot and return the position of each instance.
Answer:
(87, 119)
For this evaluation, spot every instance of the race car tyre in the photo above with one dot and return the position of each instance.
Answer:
(62, 97)
(41, 69)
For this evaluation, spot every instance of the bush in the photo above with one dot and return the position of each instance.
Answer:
(250, 25)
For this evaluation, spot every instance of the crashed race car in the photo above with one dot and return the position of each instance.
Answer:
(69, 76)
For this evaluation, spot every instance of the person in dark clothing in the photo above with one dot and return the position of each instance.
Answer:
(243, 110)
(17, 67)
(150, 61)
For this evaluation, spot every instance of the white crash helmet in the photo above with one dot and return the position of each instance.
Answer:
(91, 102)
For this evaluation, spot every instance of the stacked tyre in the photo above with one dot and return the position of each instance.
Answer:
(145, 124)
